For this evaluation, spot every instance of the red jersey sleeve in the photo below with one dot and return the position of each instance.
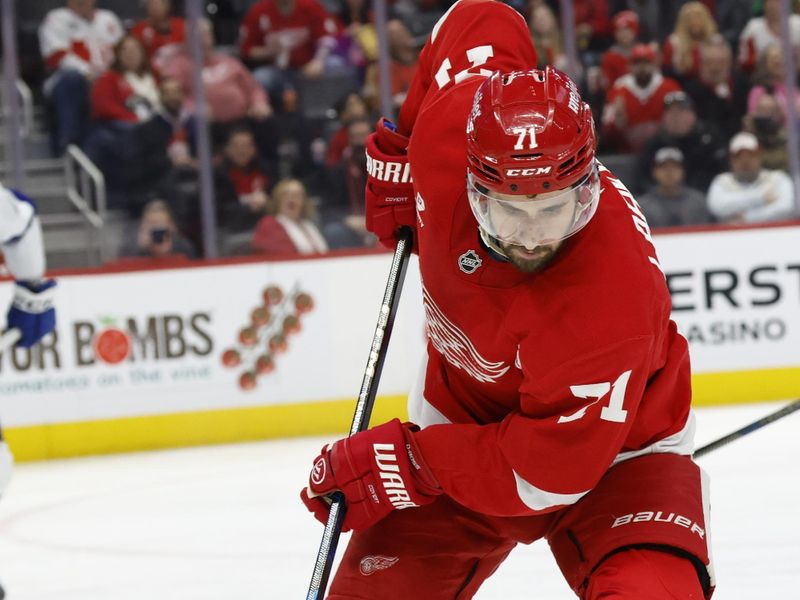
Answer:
(747, 52)
(109, 94)
(667, 54)
(473, 38)
(251, 34)
(532, 462)
(614, 66)
(270, 238)
(323, 25)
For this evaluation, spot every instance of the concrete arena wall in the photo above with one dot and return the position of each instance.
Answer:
(145, 358)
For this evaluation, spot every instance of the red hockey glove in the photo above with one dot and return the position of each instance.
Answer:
(389, 192)
(378, 470)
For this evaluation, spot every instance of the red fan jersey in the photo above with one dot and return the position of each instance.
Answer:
(154, 39)
(298, 33)
(535, 384)
(642, 105)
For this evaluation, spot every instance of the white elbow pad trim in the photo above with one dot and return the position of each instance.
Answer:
(537, 499)
(681, 442)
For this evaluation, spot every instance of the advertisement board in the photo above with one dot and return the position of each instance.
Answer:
(246, 350)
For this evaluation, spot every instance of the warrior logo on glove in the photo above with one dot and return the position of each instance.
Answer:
(378, 471)
(318, 472)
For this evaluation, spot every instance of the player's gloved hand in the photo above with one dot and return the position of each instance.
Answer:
(389, 191)
(378, 470)
(32, 311)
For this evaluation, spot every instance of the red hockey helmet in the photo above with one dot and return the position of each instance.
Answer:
(531, 148)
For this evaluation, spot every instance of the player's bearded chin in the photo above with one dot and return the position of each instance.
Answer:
(530, 261)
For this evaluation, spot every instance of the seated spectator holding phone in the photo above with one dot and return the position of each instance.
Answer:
(157, 235)
(242, 182)
(291, 229)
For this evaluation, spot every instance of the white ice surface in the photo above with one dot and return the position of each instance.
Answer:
(225, 522)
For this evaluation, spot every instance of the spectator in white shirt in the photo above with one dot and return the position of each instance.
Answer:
(77, 43)
(748, 193)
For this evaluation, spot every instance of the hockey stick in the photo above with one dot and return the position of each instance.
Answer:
(755, 425)
(9, 338)
(366, 400)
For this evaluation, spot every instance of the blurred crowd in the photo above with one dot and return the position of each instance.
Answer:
(690, 101)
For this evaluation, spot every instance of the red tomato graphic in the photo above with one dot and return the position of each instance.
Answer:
(303, 303)
(112, 345)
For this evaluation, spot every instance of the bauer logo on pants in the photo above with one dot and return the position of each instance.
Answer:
(370, 564)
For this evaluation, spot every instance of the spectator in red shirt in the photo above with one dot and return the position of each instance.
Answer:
(694, 27)
(404, 54)
(615, 60)
(592, 25)
(128, 91)
(343, 209)
(77, 43)
(234, 96)
(291, 230)
(283, 39)
(124, 95)
(243, 181)
(635, 103)
(161, 34)
(353, 106)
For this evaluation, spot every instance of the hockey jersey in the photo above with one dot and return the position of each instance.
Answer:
(757, 36)
(534, 384)
(20, 236)
(298, 33)
(68, 41)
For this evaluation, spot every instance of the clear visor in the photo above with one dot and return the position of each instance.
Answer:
(538, 220)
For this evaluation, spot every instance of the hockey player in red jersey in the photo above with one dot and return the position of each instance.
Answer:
(554, 401)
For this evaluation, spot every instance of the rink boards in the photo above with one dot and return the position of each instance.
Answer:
(145, 358)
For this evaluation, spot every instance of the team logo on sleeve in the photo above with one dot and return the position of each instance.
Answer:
(370, 564)
(456, 347)
(469, 262)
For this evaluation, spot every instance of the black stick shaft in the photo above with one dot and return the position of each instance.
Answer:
(755, 425)
(366, 400)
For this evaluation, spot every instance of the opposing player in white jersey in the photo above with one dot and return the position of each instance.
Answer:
(31, 311)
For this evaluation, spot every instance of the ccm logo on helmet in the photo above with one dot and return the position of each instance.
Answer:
(528, 172)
